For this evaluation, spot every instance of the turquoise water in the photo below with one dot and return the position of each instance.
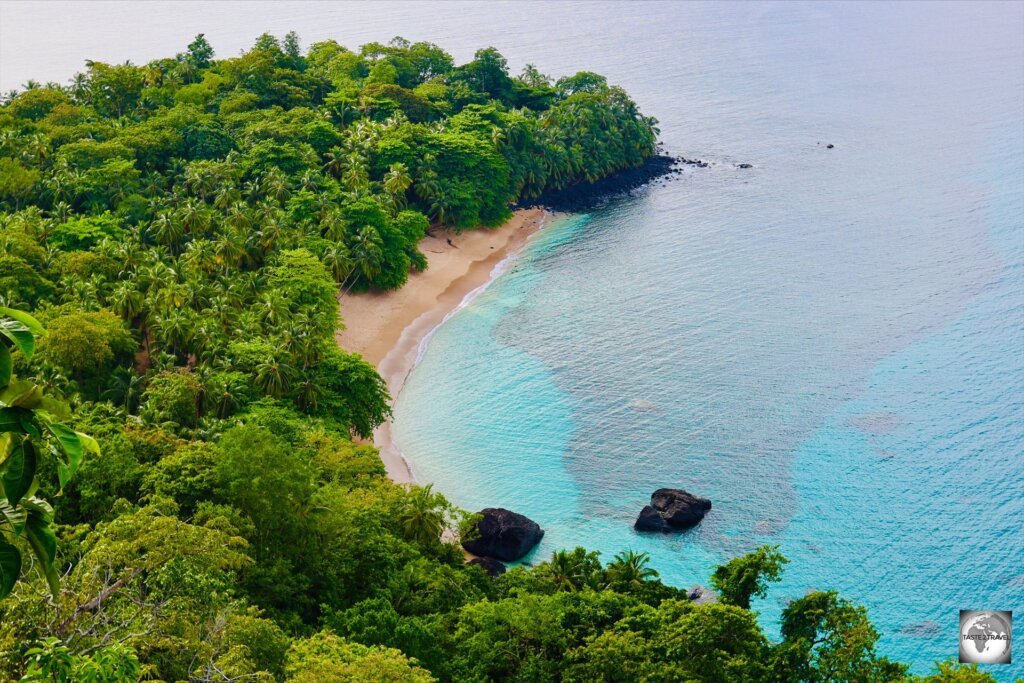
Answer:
(829, 345)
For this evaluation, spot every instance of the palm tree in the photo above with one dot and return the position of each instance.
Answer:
(427, 185)
(440, 207)
(423, 515)
(335, 162)
(366, 256)
(124, 388)
(333, 226)
(167, 230)
(125, 300)
(338, 261)
(273, 377)
(630, 569)
(565, 571)
(174, 330)
(397, 182)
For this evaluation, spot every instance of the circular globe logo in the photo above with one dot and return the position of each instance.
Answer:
(985, 637)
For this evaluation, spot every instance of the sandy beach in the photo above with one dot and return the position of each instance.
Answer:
(387, 328)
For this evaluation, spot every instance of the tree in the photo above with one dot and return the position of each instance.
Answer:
(827, 638)
(52, 662)
(326, 657)
(629, 570)
(174, 398)
(200, 52)
(16, 181)
(29, 429)
(742, 578)
(85, 344)
(952, 672)
(424, 515)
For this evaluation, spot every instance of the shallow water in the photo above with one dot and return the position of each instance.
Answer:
(828, 345)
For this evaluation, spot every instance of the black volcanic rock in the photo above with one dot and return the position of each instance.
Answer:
(677, 509)
(489, 565)
(503, 534)
(651, 520)
(584, 196)
(829, 146)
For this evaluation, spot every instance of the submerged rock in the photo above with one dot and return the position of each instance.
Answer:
(489, 565)
(702, 595)
(675, 508)
(744, 166)
(922, 629)
(503, 534)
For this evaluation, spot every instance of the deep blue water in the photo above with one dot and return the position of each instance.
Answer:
(830, 345)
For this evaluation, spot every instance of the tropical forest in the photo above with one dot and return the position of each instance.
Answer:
(187, 487)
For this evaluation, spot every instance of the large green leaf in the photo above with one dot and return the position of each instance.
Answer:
(20, 392)
(34, 326)
(54, 407)
(19, 334)
(10, 421)
(44, 545)
(10, 567)
(5, 366)
(71, 443)
(20, 471)
(15, 516)
(39, 505)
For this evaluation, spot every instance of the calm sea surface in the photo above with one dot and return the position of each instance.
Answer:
(829, 345)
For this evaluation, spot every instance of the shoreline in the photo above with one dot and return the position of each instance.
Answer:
(390, 329)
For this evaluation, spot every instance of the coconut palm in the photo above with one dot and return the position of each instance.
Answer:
(273, 377)
(338, 261)
(423, 515)
(396, 182)
(366, 253)
(124, 388)
(630, 569)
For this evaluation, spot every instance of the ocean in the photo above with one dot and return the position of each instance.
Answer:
(829, 345)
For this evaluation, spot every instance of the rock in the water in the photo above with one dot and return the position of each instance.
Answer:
(489, 565)
(676, 509)
(651, 520)
(702, 595)
(504, 535)
(829, 146)
(680, 509)
(744, 166)
(923, 629)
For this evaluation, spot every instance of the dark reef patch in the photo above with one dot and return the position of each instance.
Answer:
(583, 196)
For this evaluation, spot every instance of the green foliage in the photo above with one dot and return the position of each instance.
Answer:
(52, 662)
(85, 343)
(85, 232)
(173, 398)
(20, 282)
(29, 429)
(951, 672)
(827, 638)
(16, 181)
(326, 657)
(743, 578)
